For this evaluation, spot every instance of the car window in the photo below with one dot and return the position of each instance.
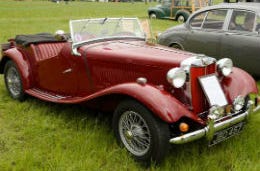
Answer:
(257, 28)
(166, 3)
(242, 21)
(215, 19)
(182, 3)
(197, 21)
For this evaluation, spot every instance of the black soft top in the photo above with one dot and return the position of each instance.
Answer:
(26, 40)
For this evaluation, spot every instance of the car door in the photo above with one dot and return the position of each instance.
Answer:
(55, 69)
(206, 30)
(241, 42)
(166, 8)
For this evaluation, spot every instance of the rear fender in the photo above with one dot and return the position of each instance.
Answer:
(238, 83)
(159, 101)
(21, 63)
(182, 12)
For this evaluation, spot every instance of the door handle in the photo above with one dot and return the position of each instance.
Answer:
(67, 71)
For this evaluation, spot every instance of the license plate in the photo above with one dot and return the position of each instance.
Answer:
(226, 133)
(213, 91)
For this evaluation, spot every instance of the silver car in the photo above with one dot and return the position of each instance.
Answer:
(226, 30)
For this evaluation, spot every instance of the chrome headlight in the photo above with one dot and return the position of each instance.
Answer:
(225, 66)
(216, 112)
(238, 103)
(176, 77)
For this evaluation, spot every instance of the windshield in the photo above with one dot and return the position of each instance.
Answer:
(92, 29)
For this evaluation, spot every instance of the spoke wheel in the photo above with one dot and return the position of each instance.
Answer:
(13, 81)
(145, 136)
(134, 133)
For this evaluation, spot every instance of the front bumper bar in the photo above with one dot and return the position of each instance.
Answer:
(212, 127)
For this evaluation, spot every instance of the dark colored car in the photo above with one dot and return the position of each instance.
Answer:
(226, 30)
(158, 95)
(178, 10)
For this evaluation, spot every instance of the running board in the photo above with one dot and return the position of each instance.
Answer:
(49, 96)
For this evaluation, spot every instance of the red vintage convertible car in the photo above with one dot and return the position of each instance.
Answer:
(159, 96)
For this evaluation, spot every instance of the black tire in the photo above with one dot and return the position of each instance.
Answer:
(149, 135)
(13, 81)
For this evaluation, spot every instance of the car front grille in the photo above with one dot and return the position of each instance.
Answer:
(198, 100)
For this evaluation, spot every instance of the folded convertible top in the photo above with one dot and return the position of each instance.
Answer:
(26, 40)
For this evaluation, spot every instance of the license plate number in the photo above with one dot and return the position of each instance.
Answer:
(226, 133)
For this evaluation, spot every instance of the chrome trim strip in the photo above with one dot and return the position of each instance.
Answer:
(212, 127)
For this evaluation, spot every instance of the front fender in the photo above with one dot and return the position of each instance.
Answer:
(159, 101)
(239, 83)
(22, 64)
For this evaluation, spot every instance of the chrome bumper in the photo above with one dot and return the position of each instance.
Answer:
(212, 127)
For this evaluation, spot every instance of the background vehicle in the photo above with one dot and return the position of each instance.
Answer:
(176, 9)
(223, 30)
(158, 95)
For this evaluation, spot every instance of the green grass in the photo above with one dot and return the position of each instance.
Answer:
(36, 135)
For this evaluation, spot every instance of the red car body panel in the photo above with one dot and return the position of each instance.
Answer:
(238, 83)
(50, 72)
(23, 65)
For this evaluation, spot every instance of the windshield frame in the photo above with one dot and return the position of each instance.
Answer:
(104, 38)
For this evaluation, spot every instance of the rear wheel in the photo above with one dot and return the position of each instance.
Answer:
(152, 15)
(143, 135)
(13, 81)
(181, 19)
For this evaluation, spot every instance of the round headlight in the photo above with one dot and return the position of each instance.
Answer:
(176, 77)
(238, 103)
(225, 66)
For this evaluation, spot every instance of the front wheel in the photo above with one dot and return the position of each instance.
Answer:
(143, 135)
(13, 81)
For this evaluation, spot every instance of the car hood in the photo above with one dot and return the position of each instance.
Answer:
(180, 27)
(138, 52)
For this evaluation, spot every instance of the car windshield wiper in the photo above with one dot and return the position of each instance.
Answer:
(103, 22)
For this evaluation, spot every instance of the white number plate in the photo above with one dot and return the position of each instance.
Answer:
(213, 90)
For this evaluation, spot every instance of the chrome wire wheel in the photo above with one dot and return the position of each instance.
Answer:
(134, 133)
(145, 136)
(13, 81)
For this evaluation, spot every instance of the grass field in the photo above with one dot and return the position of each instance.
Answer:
(36, 135)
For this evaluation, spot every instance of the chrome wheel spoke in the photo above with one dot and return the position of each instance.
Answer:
(13, 81)
(134, 133)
